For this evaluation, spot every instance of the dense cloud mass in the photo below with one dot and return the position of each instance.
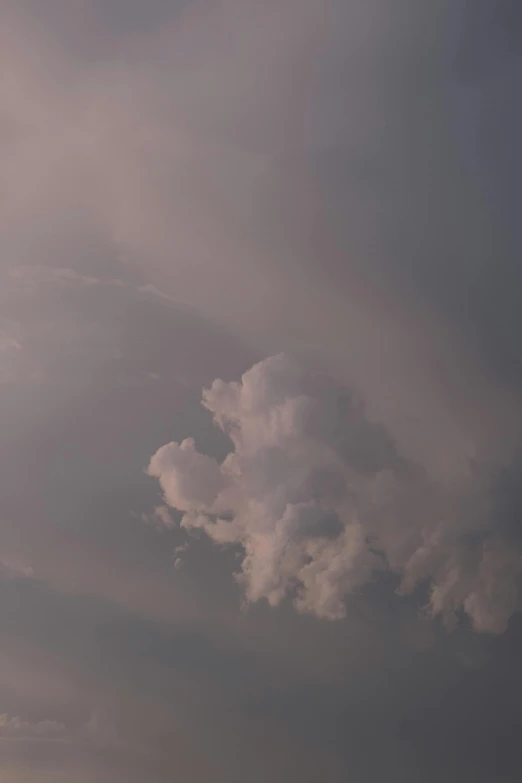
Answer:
(320, 501)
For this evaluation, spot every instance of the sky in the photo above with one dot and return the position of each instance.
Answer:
(260, 391)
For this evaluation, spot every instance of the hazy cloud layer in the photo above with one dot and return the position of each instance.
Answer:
(187, 187)
(242, 158)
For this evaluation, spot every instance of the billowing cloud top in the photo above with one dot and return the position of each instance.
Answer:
(319, 499)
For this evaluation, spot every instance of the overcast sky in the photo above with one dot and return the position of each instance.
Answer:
(260, 391)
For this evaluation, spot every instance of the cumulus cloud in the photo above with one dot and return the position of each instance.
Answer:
(320, 501)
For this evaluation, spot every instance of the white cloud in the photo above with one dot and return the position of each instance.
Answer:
(320, 500)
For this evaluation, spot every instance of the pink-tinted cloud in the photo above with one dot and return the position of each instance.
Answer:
(320, 501)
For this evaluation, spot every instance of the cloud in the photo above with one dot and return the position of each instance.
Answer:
(100, 730)
(13, 727)
(37, 275)
(8, 343)
(198, 157)
(10, 350)
(320, 501)
(160, 518)
(97, 730)
(13, 568)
